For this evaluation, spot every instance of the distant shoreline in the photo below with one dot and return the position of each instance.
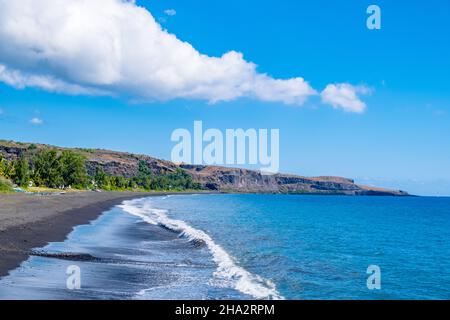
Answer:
(28, 221)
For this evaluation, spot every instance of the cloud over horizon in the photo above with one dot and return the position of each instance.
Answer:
(114, 47)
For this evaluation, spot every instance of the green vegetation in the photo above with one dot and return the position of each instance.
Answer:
(20, 173)
(146, 180)
(3, 165)
(46, 168)
(55, 169)
(58, 169)
(73, 170)
(5, 185)
(6, 168)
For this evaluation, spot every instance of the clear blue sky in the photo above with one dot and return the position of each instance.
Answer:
(402, 140)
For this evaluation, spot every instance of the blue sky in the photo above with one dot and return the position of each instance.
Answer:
(401, 139)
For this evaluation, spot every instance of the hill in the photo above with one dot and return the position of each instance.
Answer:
(213, 178)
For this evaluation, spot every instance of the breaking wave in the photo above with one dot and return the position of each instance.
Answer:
(227, 272)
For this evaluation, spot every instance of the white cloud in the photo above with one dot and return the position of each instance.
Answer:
(21, 80)
(170, 12)
(345, 96)
(114, 47)
(37, 121)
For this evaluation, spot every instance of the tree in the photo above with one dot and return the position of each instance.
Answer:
(100, 178)
(119, 182)
(144, 176)
(54, 170)
(73, 169)
(47, 169)
(2, 165)
(8, 169)
(181, 180)
(21, 173)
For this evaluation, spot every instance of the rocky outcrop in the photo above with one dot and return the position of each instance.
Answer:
(11, 152)
(210, 177)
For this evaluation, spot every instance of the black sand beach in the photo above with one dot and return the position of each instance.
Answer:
(30, 221)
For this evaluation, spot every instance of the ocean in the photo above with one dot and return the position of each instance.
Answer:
(248, 247)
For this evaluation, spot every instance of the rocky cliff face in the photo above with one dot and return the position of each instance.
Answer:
(211, 177)
(242, 180)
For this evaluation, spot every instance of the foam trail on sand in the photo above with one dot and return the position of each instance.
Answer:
(227, 270)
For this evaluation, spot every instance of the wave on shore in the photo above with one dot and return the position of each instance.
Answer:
(228, 273)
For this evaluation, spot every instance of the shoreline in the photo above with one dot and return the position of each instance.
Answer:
(30, 221)
(33, 221)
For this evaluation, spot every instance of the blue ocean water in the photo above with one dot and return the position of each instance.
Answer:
(251, 246)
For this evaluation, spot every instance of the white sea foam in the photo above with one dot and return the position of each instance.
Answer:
(228, 272)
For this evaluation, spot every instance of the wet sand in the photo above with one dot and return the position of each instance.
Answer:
(31, 221)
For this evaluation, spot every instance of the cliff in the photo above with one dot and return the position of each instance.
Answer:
(210, 177)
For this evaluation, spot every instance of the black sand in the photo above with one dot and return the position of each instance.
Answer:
(31, 221)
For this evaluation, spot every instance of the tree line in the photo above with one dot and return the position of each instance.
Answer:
(145, 179)
(52, 168)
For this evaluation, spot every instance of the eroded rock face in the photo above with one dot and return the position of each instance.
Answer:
(242, 180)
(11, 153)
(210, 177)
